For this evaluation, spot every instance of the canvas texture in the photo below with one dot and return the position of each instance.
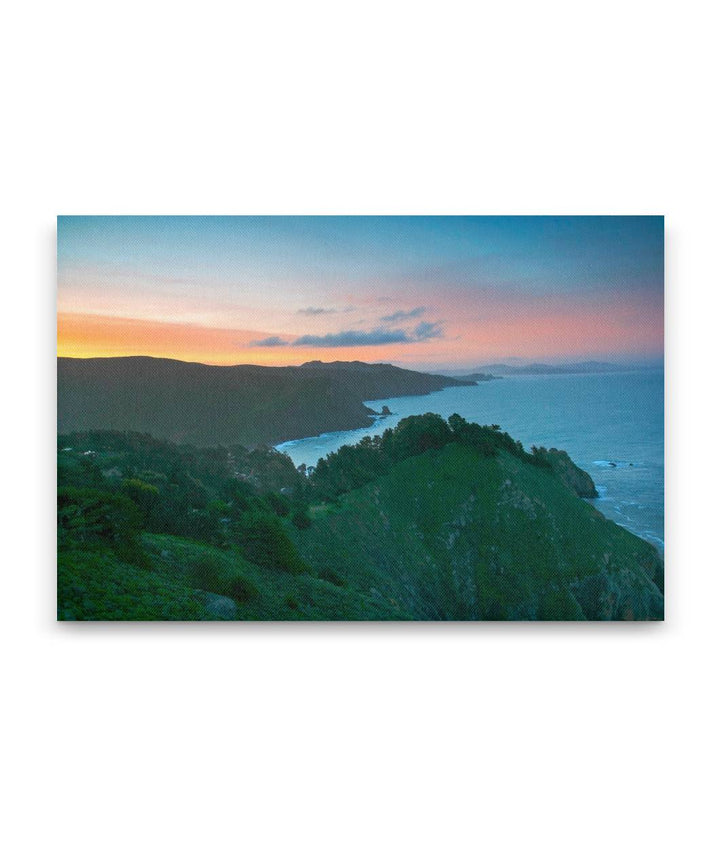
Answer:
(360, 419)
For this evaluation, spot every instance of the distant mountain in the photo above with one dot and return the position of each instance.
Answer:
(207, 405)
(590, 367)
(476, 377)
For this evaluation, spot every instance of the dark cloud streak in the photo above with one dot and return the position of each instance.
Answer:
(428, 330)
(316, 310)
(401, 315)
(270, 342)
(378, 336)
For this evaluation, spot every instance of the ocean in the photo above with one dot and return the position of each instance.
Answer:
(611, 425)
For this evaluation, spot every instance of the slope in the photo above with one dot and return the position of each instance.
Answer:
(452, 534)
(208, 405)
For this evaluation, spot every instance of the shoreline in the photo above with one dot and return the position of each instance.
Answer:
(635, 498)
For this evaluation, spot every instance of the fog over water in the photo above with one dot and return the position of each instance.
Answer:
(611, 425)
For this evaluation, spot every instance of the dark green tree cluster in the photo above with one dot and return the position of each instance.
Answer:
(113, 485)
(352, 467)
(88, 515)
(264, 541)
(95, 519)
(489, 440)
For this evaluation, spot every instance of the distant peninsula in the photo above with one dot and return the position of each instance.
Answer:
(248, 404)
(496, 370)
(477, 377)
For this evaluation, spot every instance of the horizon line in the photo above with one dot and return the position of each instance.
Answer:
(510, 362)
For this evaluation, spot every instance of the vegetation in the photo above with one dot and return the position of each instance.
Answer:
(205, 405)
(455, 534)
(432, 520)
(352, 467)
(264, 541)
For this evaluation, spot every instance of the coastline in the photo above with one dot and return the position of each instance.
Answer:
(534, 410)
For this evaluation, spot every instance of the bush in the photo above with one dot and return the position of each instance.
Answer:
(206, 571)
(212, 574)
(278, 503)
(264, 541)
(241, 589)
(145, 496)
(89, 515)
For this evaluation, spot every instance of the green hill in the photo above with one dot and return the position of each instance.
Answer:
(434, 520)
(452, 534)
(208, 405)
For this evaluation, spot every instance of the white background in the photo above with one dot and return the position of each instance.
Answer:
(359, 739)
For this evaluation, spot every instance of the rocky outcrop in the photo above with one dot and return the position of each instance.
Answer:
(569, 473)
(623, 595)
(219, 607)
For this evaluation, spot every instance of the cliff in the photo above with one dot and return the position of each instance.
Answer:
(569, 472)
(454, 535)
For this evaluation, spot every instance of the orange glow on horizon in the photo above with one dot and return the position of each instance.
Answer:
(557, 331)
(107, 336)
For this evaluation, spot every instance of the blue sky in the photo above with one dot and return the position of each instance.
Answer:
(328, 281)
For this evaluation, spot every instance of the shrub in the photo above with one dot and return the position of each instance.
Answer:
(87, 515)
(278, 503)
(241, 589)
(264, 541)
(145, 496)
(206, 571)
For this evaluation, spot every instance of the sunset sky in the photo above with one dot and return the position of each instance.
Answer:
(422, 292)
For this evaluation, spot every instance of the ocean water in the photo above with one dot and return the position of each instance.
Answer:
(611, 425)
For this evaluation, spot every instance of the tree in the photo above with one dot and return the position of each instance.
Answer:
(88, 515)
(145, 496)
(264, 541)
(417, 434)
(457, 424)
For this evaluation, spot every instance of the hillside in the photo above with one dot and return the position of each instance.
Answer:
(208, 405)
(434, 520)
(455, 535)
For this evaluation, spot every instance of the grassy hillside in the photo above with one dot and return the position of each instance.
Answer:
(434, 520)
(207, 405)
(184, 580)
(452, 534)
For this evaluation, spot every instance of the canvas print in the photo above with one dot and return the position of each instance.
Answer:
(360, 418)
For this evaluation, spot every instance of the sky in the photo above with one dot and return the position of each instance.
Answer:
(421, 292)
